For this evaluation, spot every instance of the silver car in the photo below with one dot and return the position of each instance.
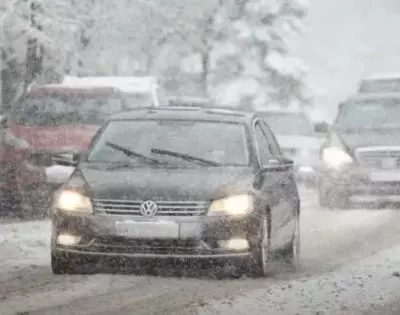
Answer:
(297, 138)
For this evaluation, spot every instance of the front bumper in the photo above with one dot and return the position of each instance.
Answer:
(195, 237)
(362, 184)
(305, 173)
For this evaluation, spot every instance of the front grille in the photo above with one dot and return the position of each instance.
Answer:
(165, 208)
(381, 158)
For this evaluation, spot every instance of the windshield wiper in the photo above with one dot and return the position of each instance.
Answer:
(185, 157)
(133, 154)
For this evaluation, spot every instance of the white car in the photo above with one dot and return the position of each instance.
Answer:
(380, 83)
(297, 138)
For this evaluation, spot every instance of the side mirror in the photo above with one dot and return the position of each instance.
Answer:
(321, 127)
(3, 122)
(278, 163)
(79, 156)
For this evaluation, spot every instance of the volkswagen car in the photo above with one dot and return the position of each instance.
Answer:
(360, 161)
(179, 183)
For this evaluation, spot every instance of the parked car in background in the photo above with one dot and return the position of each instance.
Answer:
(360, 160)
(138, 91)
(43, 131)
(190, 101)
(184, 183)
(380, 83)
(297, 138)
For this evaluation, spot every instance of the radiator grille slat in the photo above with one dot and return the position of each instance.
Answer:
(165, 208)
(379, 158)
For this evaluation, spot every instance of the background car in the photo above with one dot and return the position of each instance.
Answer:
(150, 187)
(380, 83)
(360, 160)
(297, 138)
(43, 130)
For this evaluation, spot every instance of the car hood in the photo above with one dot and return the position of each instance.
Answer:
(299, 142)
(369, 138)
(198, 184)
(68, 137)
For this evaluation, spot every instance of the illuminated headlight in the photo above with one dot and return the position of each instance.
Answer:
(71, 201)
(234, 205)
(336, 158)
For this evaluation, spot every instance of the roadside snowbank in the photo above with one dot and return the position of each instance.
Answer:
(370, 283)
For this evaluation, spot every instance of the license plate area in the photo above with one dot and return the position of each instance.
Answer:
(160, 229)
(385, 176)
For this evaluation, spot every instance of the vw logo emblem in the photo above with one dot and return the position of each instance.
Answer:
(148, 208)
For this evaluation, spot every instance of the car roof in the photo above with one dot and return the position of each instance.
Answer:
(126, 84)
(279, 111)
(382, 76)
(372, 96)
(185, 113)
(60, 89)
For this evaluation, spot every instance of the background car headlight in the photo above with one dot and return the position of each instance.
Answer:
(72, 201)
(233, 205)
(336, 158)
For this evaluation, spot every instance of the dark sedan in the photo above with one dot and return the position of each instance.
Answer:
(361, 157)
(179, 183)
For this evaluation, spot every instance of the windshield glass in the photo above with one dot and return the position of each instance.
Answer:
(65, 109)
(370, 114)
(380, 86)
(222, 143)
(289, 123)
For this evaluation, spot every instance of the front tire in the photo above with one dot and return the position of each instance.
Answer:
(330, 198)
(292, 254)
(69, 264)
(261, 256)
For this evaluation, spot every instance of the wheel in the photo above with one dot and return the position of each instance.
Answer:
(59, 264)
(260, 263)
(329, 198)
(324, 198)
(70, 264)
(11, 202)
(292, 253)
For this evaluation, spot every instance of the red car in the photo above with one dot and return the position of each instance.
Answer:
(43, 131)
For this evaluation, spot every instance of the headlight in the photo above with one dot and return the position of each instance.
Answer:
(71, 201)
(336, 158)
(233, 205)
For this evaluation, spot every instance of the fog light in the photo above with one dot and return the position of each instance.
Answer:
(306, 169)
(68, 240)
(238, 244)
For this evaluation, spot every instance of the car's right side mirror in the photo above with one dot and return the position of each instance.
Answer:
(278, 163)
(3, 122)
(79, 156)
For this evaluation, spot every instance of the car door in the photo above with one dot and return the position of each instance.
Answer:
(271, 187)
(287, 191)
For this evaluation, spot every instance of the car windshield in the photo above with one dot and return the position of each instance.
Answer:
(65, 109)
(289, 123)
(380, 86)
(172, 142)
(373, 114)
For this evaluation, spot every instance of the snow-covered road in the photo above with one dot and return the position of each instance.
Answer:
(350, 261)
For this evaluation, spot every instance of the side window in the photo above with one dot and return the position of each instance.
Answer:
(263, 145)
(273, 143)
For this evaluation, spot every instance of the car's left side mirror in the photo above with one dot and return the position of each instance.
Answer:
(278, 163)
(3, 122)
(321, 127)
